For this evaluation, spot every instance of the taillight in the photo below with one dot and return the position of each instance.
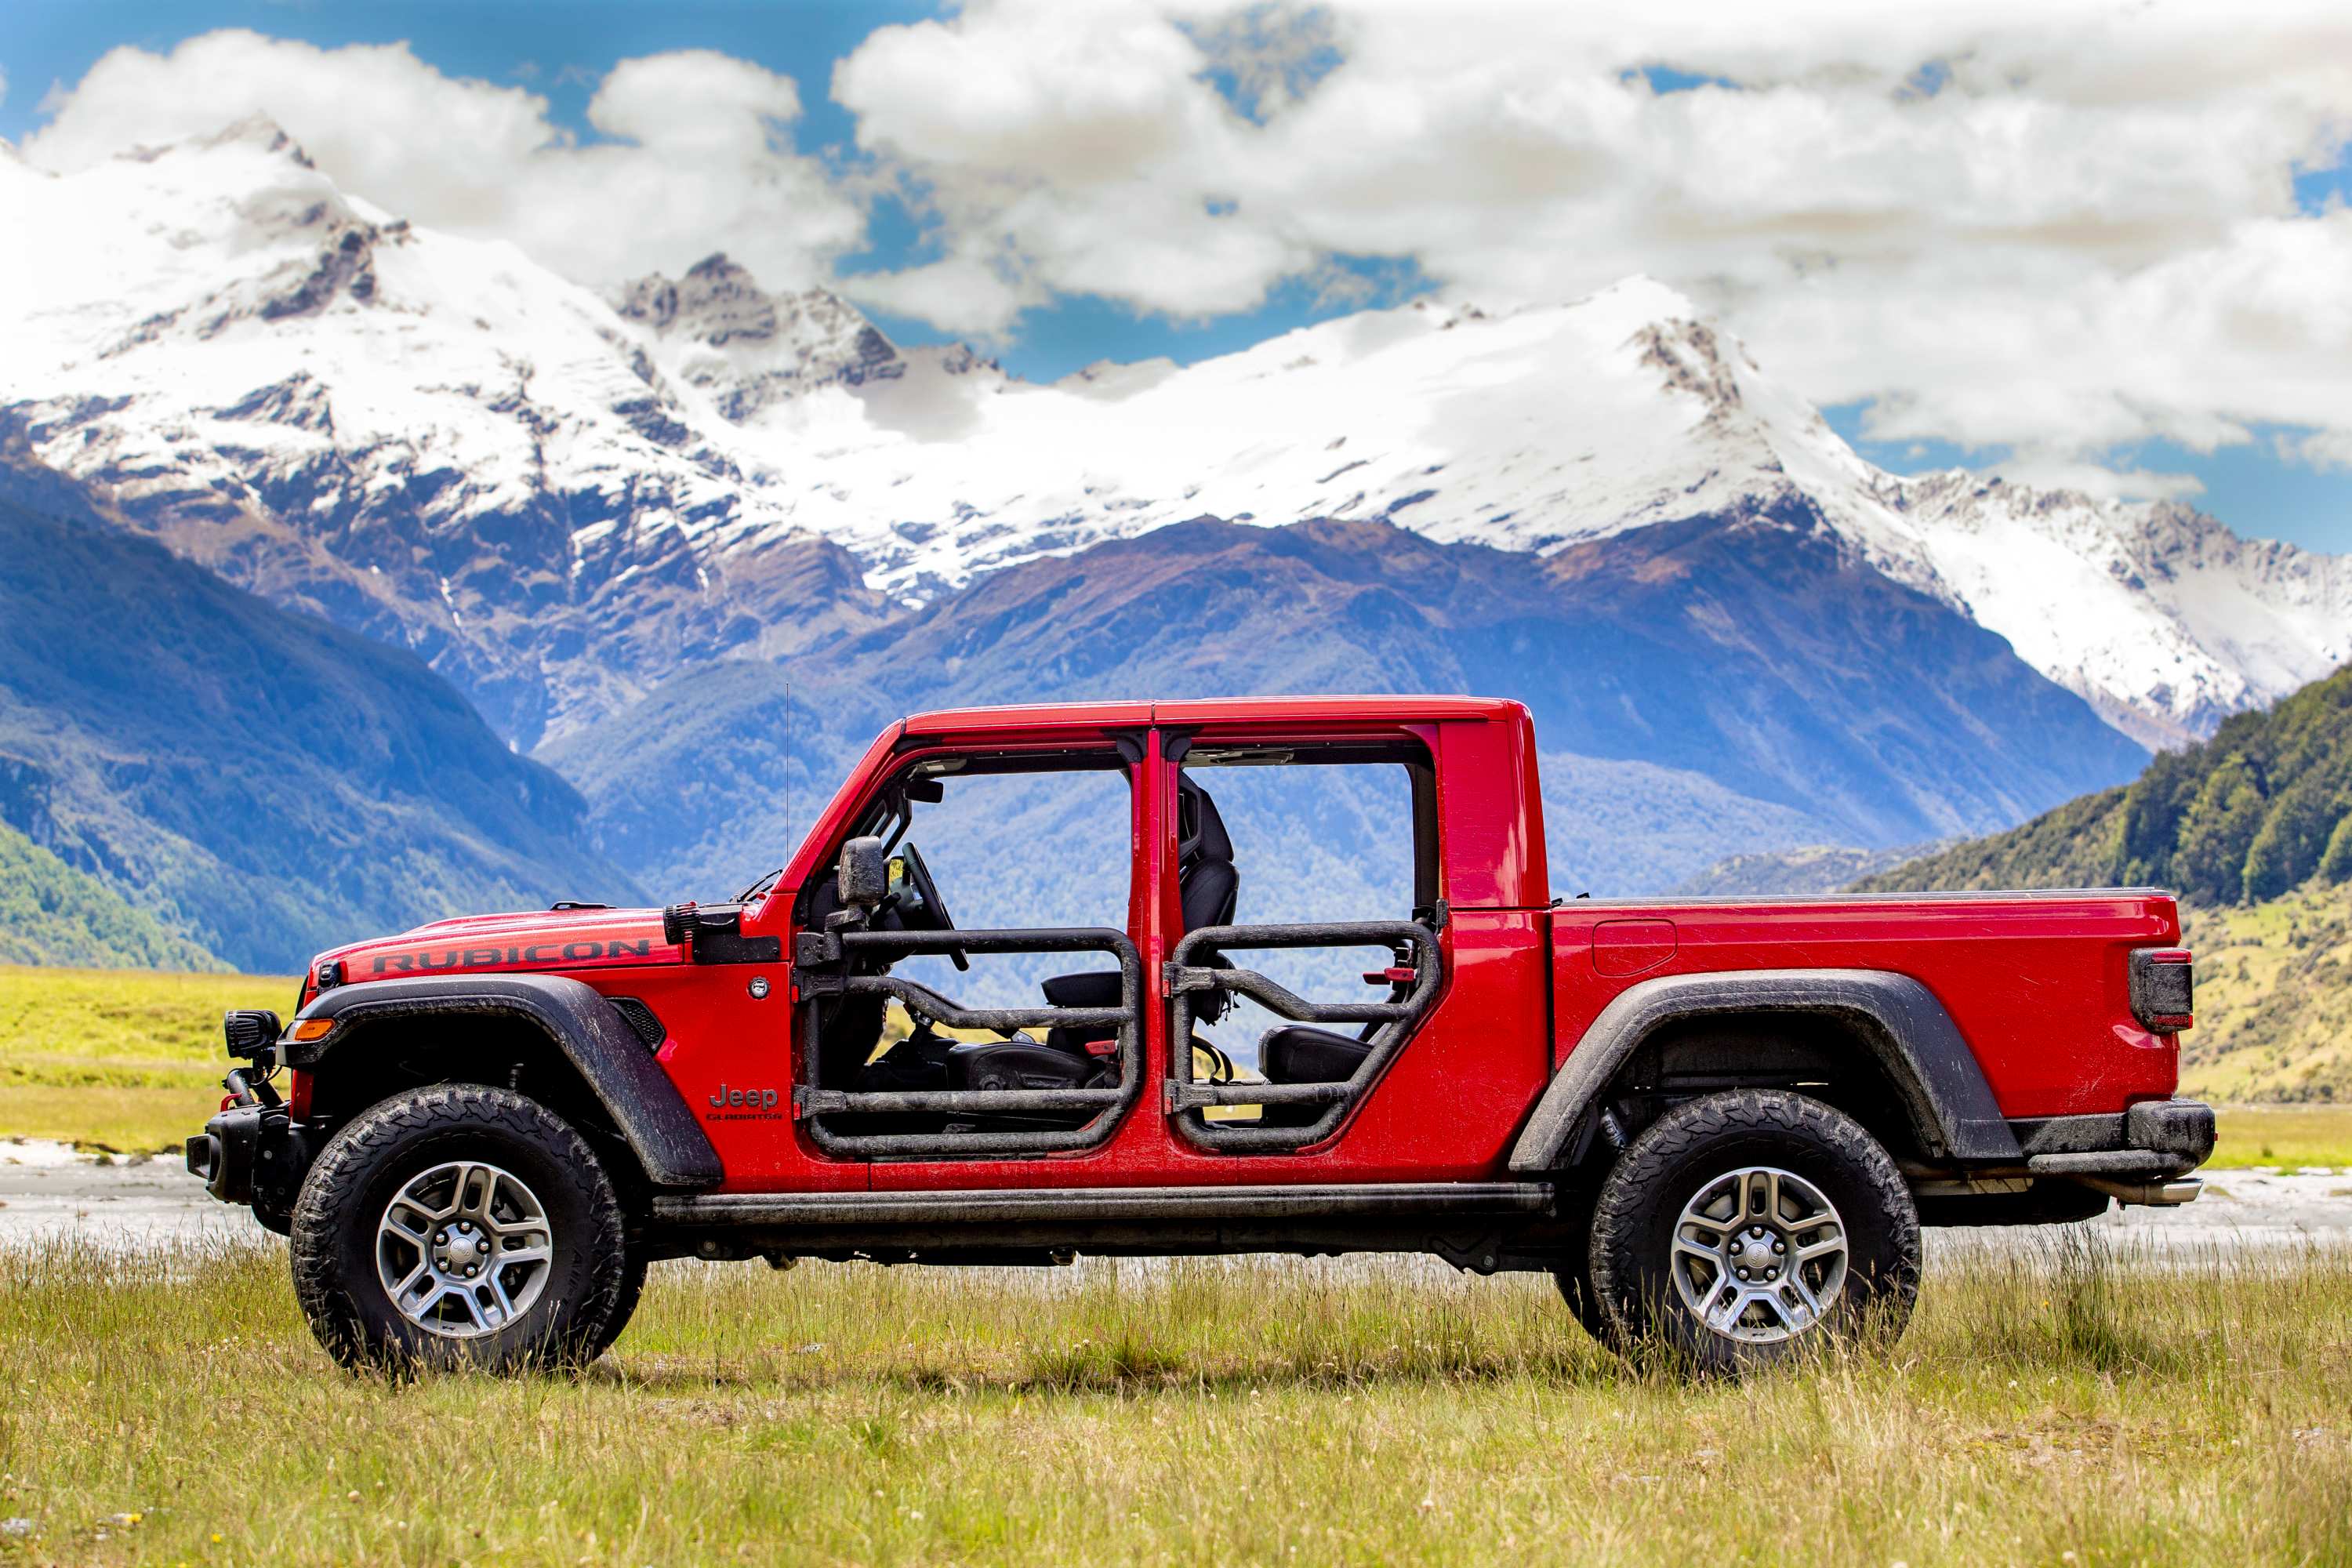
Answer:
(2164, 988)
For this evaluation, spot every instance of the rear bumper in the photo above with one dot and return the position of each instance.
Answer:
(2142, 1155)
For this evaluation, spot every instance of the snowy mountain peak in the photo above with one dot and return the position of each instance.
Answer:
(718, 302)
(716, 329)
(559, 498)
(255, 131)
(2161, 617)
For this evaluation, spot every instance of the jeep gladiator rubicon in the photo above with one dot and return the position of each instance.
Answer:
(1719, 1124)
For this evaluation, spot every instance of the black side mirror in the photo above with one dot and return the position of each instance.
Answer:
(864, 876)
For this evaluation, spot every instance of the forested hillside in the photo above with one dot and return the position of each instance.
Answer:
(257, 781)
(2263, 807)
(51, 913)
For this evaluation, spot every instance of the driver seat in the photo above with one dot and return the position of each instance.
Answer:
(1208, 889)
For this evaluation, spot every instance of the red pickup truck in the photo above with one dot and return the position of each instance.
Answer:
(1718, 1123)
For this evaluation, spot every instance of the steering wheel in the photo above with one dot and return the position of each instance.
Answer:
(928, 891)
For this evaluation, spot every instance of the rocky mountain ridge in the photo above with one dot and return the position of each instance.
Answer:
(561, 501)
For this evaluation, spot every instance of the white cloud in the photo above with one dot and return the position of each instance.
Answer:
(2324, 450)
(2100, 480)
(2086, 235)
(701, 158)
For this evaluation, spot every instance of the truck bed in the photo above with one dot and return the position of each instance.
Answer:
(2037, 981)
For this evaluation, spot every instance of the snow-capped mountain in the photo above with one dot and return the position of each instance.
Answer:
(716, 330)
(429, 438)
(561, 498)
(2162, 617)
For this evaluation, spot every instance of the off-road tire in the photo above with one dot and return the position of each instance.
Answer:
(1574, 1278)
(334, 1236)
(1679, 1156)
(625, 1303)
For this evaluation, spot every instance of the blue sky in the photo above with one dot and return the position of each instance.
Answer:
(563, 51)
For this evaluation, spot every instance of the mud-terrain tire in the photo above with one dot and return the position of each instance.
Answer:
(1574, 1278)
(1780, 1186)
(486, 1211)
(625, 1304)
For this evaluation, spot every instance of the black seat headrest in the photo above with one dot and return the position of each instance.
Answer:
(1208, 886)
(1200, 832)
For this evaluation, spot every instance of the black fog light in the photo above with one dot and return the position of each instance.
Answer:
(250, 1030)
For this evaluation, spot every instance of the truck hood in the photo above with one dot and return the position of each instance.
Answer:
(534, 940)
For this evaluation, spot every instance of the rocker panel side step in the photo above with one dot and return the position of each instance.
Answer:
(1101, 1205)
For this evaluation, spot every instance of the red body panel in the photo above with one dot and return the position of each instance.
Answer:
(2037, 984)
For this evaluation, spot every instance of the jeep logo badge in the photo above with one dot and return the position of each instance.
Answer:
(744, 1105)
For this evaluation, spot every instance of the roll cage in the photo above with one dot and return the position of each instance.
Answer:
(842, 954)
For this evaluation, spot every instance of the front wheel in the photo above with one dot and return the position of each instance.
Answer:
(1574, 1277)
(460, 1225)
(1744, 1226)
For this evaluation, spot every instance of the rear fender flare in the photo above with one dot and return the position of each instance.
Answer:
(655, 1118)
(1907, 1029)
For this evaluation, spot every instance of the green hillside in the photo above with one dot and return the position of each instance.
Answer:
(52, 914)
(254, 777)
(2274, 999)
(2263, 807)
(2254, 829)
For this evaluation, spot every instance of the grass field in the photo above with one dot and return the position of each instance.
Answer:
(128, 1061)
(2057, 1409)
(2288, 1135)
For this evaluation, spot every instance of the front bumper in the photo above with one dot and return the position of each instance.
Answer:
(225, 1154)
(253, 1154)
(2142, 1155)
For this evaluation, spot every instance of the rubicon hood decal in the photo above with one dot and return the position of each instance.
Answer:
(536, 940)
(580, 949)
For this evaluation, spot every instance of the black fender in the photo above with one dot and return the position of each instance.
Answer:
(1907, 1029)
(644, 1104)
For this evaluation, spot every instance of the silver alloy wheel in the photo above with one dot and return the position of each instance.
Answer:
(464, 1249)
(1760, 1255)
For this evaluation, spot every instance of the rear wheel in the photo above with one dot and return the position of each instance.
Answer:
(1740, 1227)
(460, 1225)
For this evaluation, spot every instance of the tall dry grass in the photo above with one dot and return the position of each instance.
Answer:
(2058, 1399)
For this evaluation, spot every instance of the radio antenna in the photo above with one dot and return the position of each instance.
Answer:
(789, 844)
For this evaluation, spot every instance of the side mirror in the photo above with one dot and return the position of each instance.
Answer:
(864, 876)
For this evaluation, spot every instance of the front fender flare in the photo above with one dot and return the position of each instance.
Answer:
(1907, 1031)
(644, 1104)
